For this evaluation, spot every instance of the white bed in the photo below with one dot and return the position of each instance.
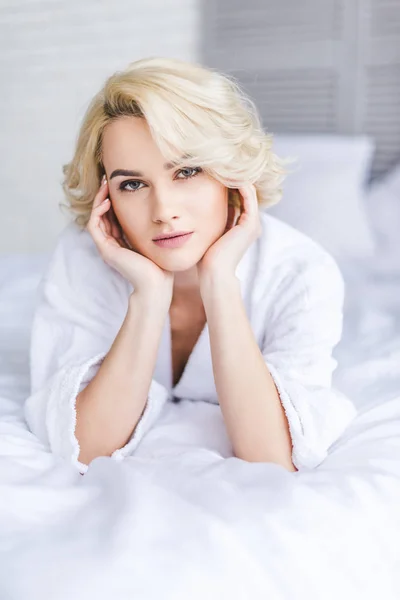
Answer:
(182, 518)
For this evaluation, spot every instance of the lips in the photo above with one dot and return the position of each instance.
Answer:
(175, 241)
(172, 235)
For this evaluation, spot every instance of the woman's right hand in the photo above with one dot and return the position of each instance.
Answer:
(141, 272)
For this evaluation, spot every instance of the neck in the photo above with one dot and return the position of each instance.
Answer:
(186, 284)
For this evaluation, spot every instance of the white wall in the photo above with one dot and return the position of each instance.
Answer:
(54, 56)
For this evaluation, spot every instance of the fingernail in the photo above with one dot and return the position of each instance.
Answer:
(104, 201)
(103, 180)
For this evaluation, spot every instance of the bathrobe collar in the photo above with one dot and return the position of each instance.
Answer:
(197, 380)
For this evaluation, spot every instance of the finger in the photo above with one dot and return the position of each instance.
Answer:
(105, 220)
(96, 225)
(249, 204)
(102, 208)
(115, 226)
(101, 194)
(97, 204)
(113, 230)
(103, 224)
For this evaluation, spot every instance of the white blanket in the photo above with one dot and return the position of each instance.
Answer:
(181, 518)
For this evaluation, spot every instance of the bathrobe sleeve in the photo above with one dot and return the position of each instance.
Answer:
(300, 335)
(81, 303)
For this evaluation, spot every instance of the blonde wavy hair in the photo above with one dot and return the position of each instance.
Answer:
(192, 112)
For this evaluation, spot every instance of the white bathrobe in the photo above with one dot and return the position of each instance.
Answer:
(293, 293)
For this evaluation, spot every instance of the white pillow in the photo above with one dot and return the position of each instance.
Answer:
(383, 204)
(323, 195)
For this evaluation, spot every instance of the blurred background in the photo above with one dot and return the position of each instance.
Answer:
(325, 75)
(55, 55)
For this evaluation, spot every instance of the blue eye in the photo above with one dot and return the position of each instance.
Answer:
(195, 169)
(124, 184)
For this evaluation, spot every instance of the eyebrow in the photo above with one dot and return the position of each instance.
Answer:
(124, 172)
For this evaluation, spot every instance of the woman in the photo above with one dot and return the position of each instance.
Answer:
(238, 308)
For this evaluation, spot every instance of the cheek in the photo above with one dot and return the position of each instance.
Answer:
(217, 214)
(131, 224)
(221, 205)
(213, 199)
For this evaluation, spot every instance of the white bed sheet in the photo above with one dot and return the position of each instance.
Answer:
(182, 518)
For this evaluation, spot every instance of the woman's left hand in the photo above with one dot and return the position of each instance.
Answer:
(225, 254)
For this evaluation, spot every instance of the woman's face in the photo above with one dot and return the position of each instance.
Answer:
(156, 199)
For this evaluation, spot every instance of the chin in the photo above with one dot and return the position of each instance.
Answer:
(177, 264)
(178, 260)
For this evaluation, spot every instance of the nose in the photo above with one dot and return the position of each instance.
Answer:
(165, 205)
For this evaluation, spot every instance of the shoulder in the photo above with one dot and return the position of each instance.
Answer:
(76, 267)
(289, 255)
